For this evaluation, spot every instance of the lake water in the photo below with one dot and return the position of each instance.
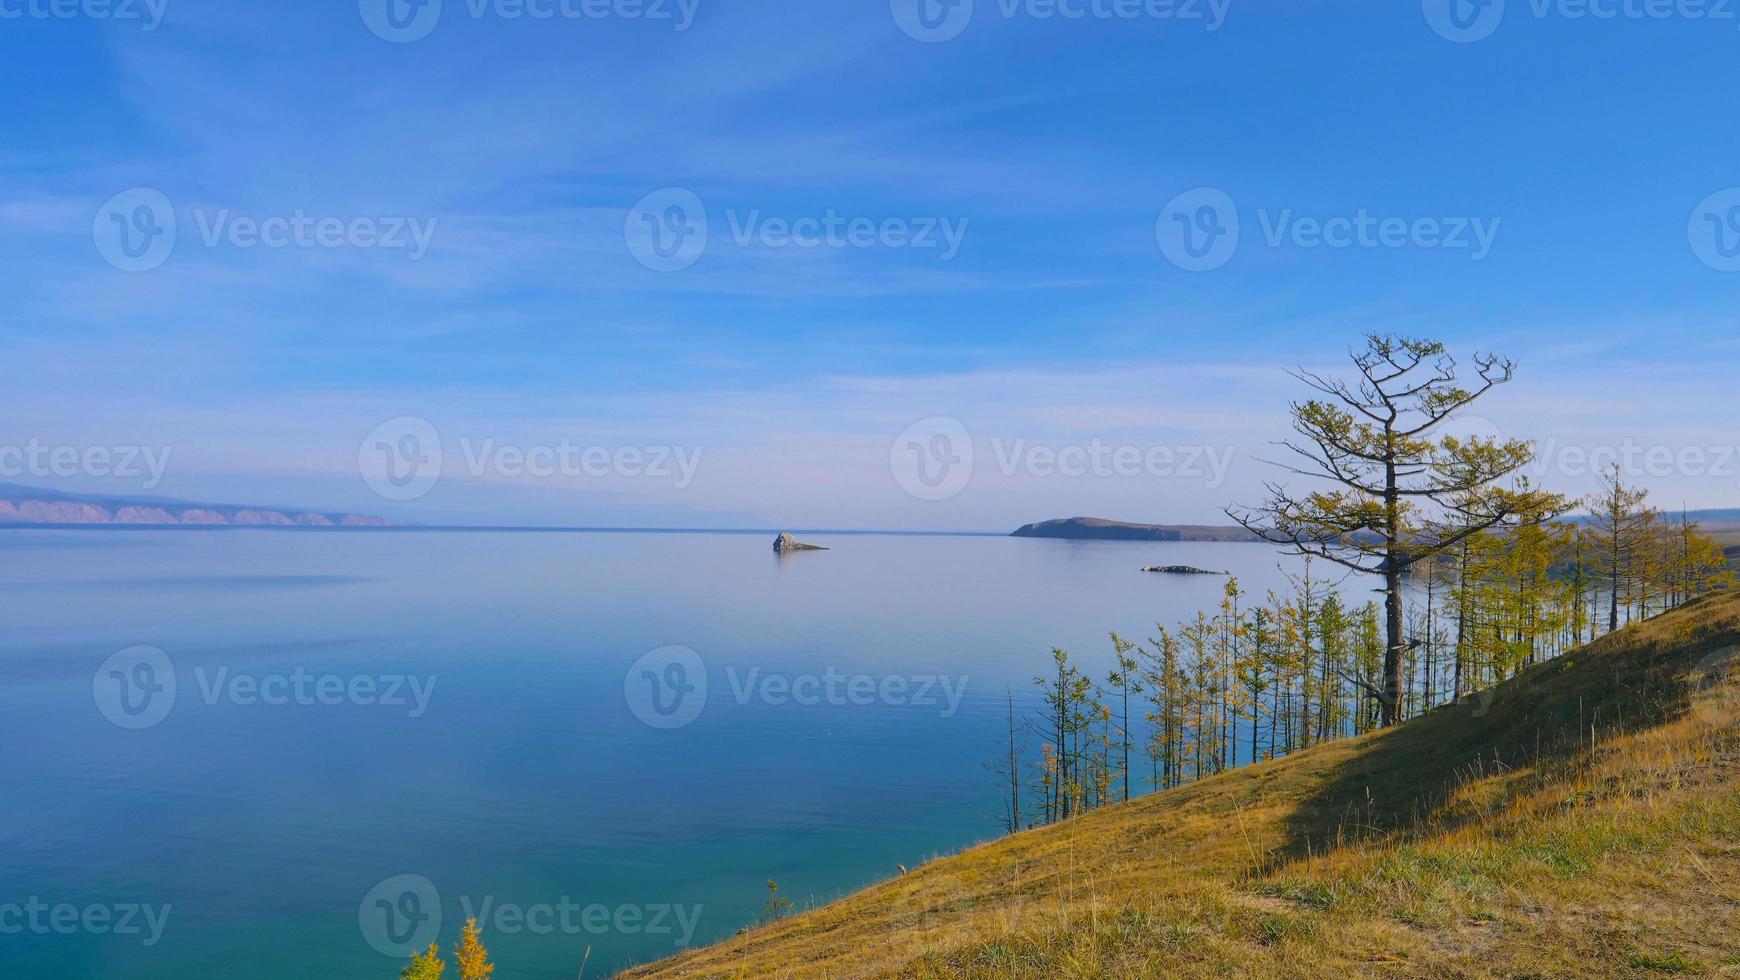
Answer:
(372, 735)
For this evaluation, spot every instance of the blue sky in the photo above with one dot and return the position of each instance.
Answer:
(1586, 149)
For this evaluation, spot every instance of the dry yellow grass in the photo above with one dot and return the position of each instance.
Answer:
(1582, 819)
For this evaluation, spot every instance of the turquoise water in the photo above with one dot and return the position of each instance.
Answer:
(587, 801)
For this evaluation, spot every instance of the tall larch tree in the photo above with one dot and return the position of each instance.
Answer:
(1400, 492)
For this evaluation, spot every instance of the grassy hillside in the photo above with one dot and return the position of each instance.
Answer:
(1582, 819)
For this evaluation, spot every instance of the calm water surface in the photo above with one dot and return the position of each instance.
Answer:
(528, 790)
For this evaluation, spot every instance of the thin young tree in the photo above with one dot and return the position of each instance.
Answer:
(1005, 765)
(1165, 682)
(1621, 529)
(1400, 492)
(1066, 694)
(1258, 661)
(1125, 681)
(1702, 565)
(473, 959)
(426, 965)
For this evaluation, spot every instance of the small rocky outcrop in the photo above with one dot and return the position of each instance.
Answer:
(785, 543)
(1180, 570)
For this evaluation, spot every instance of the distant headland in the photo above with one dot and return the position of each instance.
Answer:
(35, 506)
(1100, 529)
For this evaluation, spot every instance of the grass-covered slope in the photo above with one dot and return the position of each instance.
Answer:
(1580, 820)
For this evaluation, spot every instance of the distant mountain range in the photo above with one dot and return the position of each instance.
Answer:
(1100, 529)
(33, 505)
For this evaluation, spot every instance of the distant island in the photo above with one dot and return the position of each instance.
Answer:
(20, 505)
(1100, 529)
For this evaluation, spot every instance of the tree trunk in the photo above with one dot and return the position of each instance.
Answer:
(1463, 610)
(1613, 595)
(1126, 726)
(1393, 630)
(1392, 590)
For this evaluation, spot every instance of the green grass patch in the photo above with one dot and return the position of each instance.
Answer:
(1674, 962)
